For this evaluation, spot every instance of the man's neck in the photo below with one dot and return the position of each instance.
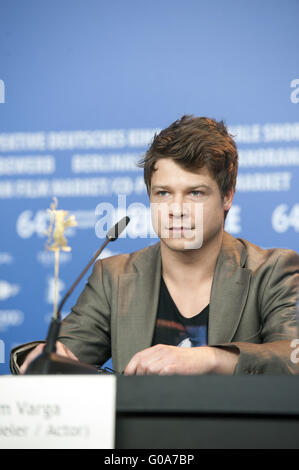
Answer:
(191, 266)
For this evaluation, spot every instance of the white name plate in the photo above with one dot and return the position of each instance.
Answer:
(57, 412)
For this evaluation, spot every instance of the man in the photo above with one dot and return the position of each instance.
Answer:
(228, 299)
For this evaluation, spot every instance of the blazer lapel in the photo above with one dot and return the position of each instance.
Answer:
(138, 297)
(229, 291)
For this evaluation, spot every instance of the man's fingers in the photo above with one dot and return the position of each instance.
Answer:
(132, 366)
(147, 361)
(31, 356)
(170, 360)
(61, 350)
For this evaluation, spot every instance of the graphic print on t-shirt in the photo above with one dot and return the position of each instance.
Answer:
(174, 329)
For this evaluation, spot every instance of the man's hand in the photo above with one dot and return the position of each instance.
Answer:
(61, 350)
(169, 360)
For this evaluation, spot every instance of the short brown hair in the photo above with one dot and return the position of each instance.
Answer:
(195, 142)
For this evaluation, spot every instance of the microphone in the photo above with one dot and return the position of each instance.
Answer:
(48, 362)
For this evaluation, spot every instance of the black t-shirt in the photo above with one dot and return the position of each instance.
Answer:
(174, 329)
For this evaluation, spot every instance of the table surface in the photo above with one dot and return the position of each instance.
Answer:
(277, 395)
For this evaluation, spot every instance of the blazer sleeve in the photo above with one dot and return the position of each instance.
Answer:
(279, 330)
(86, 330)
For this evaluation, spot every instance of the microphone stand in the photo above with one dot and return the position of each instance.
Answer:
(48, 362)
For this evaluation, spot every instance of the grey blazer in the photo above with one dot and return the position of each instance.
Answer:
(252, 307)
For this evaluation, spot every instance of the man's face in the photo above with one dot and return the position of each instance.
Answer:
(186, 205)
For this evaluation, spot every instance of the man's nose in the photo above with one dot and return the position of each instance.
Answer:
(178, 207)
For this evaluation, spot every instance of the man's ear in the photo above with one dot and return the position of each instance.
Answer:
(228, 200)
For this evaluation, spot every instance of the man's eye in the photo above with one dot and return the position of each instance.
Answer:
(196, 193)
(162, 193)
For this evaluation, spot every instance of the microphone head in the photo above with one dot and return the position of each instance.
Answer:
(116, 230)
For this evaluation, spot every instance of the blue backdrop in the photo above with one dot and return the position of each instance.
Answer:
(83, 87)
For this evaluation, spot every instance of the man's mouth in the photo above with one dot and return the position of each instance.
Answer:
(180, 228)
